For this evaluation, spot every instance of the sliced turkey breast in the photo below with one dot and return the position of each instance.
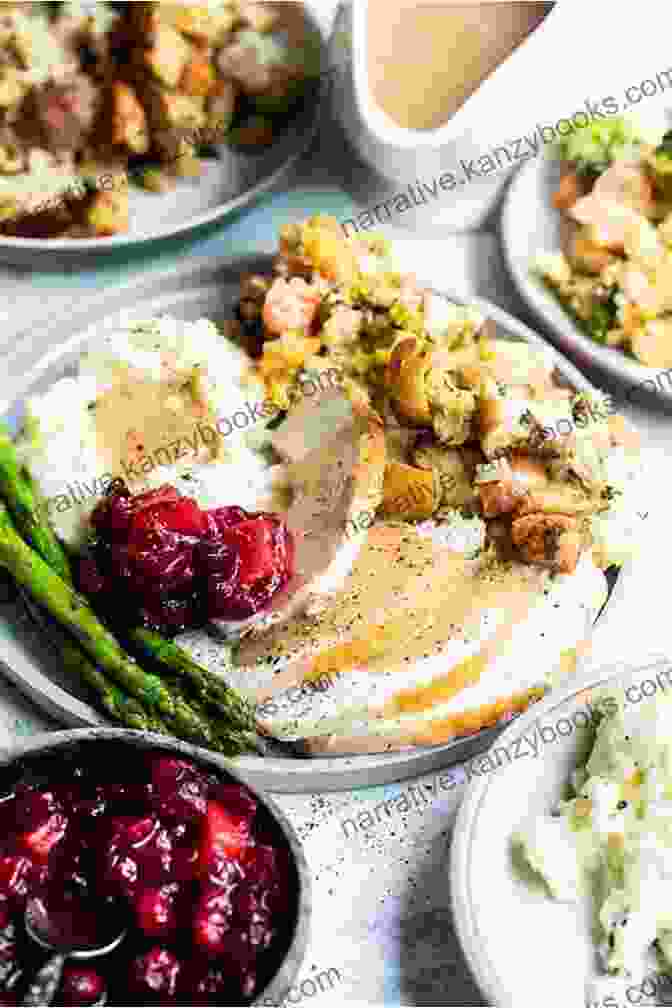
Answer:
(335, 455)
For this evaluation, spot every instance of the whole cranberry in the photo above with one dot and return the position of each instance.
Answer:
(155, 973)
(185, 843)
(133, 794)
(239, 955)
(133, 832)
(121, 565)
(33, 808)
(127, 838)
(155, 859)
(237, 800)
(252, 915)
(16, 875)
(180, 515)
(80, 986)
(200, 983)
(40, 842)
(112, 517)
(156, 910)
(267, 866)
(90, 580)
(245, 566)
(212, 921)
(159, 562)
(180, 789)
(171, 615)
(226, 517)
(225, 871)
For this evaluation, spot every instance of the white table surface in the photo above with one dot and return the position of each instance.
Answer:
(382, 907)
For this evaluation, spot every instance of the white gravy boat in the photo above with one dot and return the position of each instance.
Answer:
(399, 156)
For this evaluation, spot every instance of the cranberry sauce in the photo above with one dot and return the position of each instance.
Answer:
(160, 560)
(186, 860)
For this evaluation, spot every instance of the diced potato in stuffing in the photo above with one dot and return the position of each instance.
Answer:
(198, 21)
(198, 77)
(220, 106)
(652, 343)
(452, 408)
(259, 16)
(588, 257)
(168, 56)
(108, 213)
(452, 469)
(552, 541)
(405, 379)
(129, 122)
(411, 493)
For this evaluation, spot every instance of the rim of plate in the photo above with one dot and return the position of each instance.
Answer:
(550, 314)
(304, 127)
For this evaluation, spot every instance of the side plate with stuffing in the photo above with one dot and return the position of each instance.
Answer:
(530, 226)
(233, 180)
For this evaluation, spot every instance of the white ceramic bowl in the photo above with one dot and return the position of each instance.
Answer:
(524, 949)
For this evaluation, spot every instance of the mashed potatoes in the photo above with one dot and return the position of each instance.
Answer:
(613, 840)
(154, 402)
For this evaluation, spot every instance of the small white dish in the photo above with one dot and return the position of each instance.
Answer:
(523, 948)
(530, 225)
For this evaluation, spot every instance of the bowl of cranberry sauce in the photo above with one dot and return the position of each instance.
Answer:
(204, 871)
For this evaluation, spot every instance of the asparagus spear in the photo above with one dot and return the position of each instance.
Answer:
(118, 705)
(209, 689)
(45, 572)
(188, 723)
(72, 611)
(193, 723)
(25, 507)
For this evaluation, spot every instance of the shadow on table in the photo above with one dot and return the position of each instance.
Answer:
(433, 968)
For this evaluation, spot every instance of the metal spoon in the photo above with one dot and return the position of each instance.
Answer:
(41, 928)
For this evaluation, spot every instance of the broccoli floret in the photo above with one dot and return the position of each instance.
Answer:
(661, 161)
(603, 317)
(593, 148)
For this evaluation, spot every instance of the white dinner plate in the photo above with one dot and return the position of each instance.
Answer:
(205, 289)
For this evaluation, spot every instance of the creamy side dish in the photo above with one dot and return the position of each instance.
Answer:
(611, 842)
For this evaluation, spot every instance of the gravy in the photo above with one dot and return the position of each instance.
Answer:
(426, 59)
(403, 601)
(139, 423)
